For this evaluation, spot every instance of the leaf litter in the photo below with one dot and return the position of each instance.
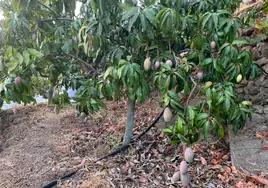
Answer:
(149, 163)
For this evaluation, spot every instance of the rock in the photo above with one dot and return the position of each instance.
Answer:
(262, 61)
(250, 84)
(265, 109)
(264, 84)
(265, 67)
(211, 185)
(263, 49)
(256, 119)
(264, 90)
(259, 109)
(240, 86)
(247, 48)
(255, 53)
(247, 32)
(240, 90)
(258, 98)
(259, 81)
(253, 91)
(245, 90)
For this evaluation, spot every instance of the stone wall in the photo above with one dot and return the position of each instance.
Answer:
(256, 90)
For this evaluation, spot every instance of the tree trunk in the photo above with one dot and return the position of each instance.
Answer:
(130, 121)
(50, 93)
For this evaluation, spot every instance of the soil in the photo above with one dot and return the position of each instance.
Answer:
(38, 146)
(32, 143)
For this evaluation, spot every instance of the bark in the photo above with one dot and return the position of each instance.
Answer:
(50, 93)
(130, 121)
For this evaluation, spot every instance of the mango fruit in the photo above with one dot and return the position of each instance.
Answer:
(167, 114)
(147, 64)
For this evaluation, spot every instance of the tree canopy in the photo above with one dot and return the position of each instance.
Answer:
(127, 48)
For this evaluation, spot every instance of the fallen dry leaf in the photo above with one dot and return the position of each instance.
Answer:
(125, 166)
(143, 180)
(81, 164)
(240, 184)
(225, 157)
(251, 185)
(234, 169)
(216, 167)
(262, 134)
(214, 161)
(221, 177)
(203, 161)
(259, 179)
(264, 148)
(227, 169)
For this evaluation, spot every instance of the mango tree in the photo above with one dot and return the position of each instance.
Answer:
(141, 43)
(37, 40)
(127, 48)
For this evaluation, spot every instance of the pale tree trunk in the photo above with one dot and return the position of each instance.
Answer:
(130, 121)
(50, 92)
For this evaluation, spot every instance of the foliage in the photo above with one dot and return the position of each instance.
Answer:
(37, 41)
(104, 48)
(61, 100)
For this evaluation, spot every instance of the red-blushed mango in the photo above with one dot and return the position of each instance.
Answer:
(185, 179)
(157, 64)
(167, 114)
(183, 167)
(147, 64)
(17, 80)
(199, 75)
(169, 62)
(176, 177)
(189, 155)
(213, 45)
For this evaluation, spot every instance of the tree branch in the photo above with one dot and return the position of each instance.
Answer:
(192, 91)
(38, 1)
(82, 61)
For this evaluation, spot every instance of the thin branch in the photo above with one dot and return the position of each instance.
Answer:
(38, 1)
(45, 76)
(53, 19)
(81, 60)
(192, 91)
(254, 5)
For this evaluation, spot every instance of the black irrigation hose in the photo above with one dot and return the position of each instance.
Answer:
(117, 151)
(53, 183)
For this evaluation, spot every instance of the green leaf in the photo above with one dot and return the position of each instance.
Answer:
(221, 131)
(26, 57)
(206, 61)
(201, 116)
(206, 129)
(179, 126)
(240, 42)
(167, 130)
(227, 104)
(132, 20)
(35, 53)
(107, 72)
(150, 14)
(190, 113)
(129, 12)
(19, 57)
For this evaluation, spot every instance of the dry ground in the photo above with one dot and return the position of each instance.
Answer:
(38, 146)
